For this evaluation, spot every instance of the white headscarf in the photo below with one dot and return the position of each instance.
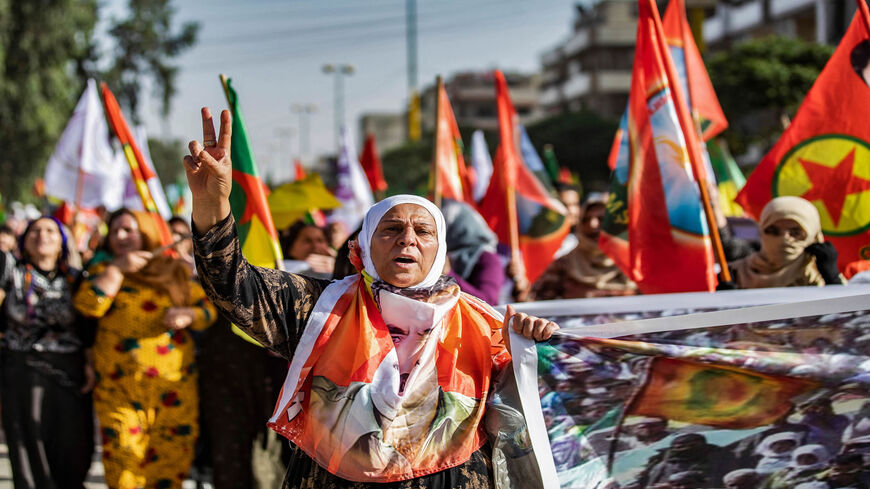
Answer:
(373, 218)
(772, 461)
(818, 451)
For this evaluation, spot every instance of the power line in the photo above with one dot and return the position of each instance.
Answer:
(371, 23)
(394, 34)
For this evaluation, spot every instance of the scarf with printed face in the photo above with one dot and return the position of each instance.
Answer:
(368, 413)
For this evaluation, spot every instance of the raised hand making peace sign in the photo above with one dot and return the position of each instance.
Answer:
(209, 172)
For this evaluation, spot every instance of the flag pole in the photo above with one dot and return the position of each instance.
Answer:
(226, 91)
(511, 202)
(690, 135)
(436, 187)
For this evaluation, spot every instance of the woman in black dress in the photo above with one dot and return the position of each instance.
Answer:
(47, 375)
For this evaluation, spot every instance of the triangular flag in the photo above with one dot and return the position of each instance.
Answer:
(481, 164)
(451, 176)
(257, 233)
(655, 228)
(517, 206)
(139, 167)
(353, 189)
(83, 170)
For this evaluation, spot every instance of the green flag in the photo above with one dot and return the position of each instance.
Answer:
(248, 196)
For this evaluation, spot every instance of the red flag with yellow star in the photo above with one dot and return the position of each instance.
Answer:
(824, 155)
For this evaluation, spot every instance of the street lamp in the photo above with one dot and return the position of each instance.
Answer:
(340, 70)
(304, 111)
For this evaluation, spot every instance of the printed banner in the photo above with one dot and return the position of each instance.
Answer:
(753, 388)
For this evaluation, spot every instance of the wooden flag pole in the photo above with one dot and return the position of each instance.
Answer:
(436, 181)
(691, 137)
(226, 91)
(511, 198)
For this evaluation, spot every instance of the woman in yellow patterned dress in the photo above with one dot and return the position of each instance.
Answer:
(146, 398)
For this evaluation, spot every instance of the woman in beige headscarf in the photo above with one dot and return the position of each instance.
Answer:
(586, 271)
(793, 250)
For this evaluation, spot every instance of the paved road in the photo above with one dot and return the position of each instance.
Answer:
(95, 477)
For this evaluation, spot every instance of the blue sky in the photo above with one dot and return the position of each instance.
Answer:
(274, 50)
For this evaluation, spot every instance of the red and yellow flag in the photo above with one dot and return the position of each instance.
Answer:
(517, 207)
(824, 155)
(451, 179)
(714, 395)
(140, 171)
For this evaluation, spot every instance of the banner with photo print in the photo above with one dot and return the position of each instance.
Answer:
(740, 389)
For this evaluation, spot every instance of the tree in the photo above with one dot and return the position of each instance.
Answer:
(761, 83)
(406, 168)
(144, 43)
(40, 43)
(581, 142)
(47, 52)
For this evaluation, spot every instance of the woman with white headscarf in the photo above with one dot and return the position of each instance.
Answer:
(776, 450)
(806, 462)
(389, 368)
(793, 250)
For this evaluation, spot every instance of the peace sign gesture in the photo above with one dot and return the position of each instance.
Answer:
(209, 172)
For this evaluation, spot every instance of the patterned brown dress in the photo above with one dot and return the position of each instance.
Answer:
(273, 307)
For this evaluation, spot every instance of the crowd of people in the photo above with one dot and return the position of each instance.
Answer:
(141, 334)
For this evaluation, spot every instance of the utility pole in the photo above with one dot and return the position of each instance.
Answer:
(304, 111)
(340, 71)
(413, 94)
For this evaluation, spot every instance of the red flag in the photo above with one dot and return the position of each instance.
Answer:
(700, 96)
(516, 205)
(300, 171)
(371, 163)
(453, 181)
(824, 155)
(139, 167)
(655, 227)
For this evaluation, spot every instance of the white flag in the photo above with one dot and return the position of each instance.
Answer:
(82, 170)
(353, 190)
(481, 163)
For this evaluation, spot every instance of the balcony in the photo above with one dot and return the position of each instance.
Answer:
(614, 81)
(550, 97)
(577, 86)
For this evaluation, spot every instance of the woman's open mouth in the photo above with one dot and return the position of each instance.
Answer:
(404, 261)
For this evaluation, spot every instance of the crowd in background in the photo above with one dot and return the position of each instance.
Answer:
(119, 326)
